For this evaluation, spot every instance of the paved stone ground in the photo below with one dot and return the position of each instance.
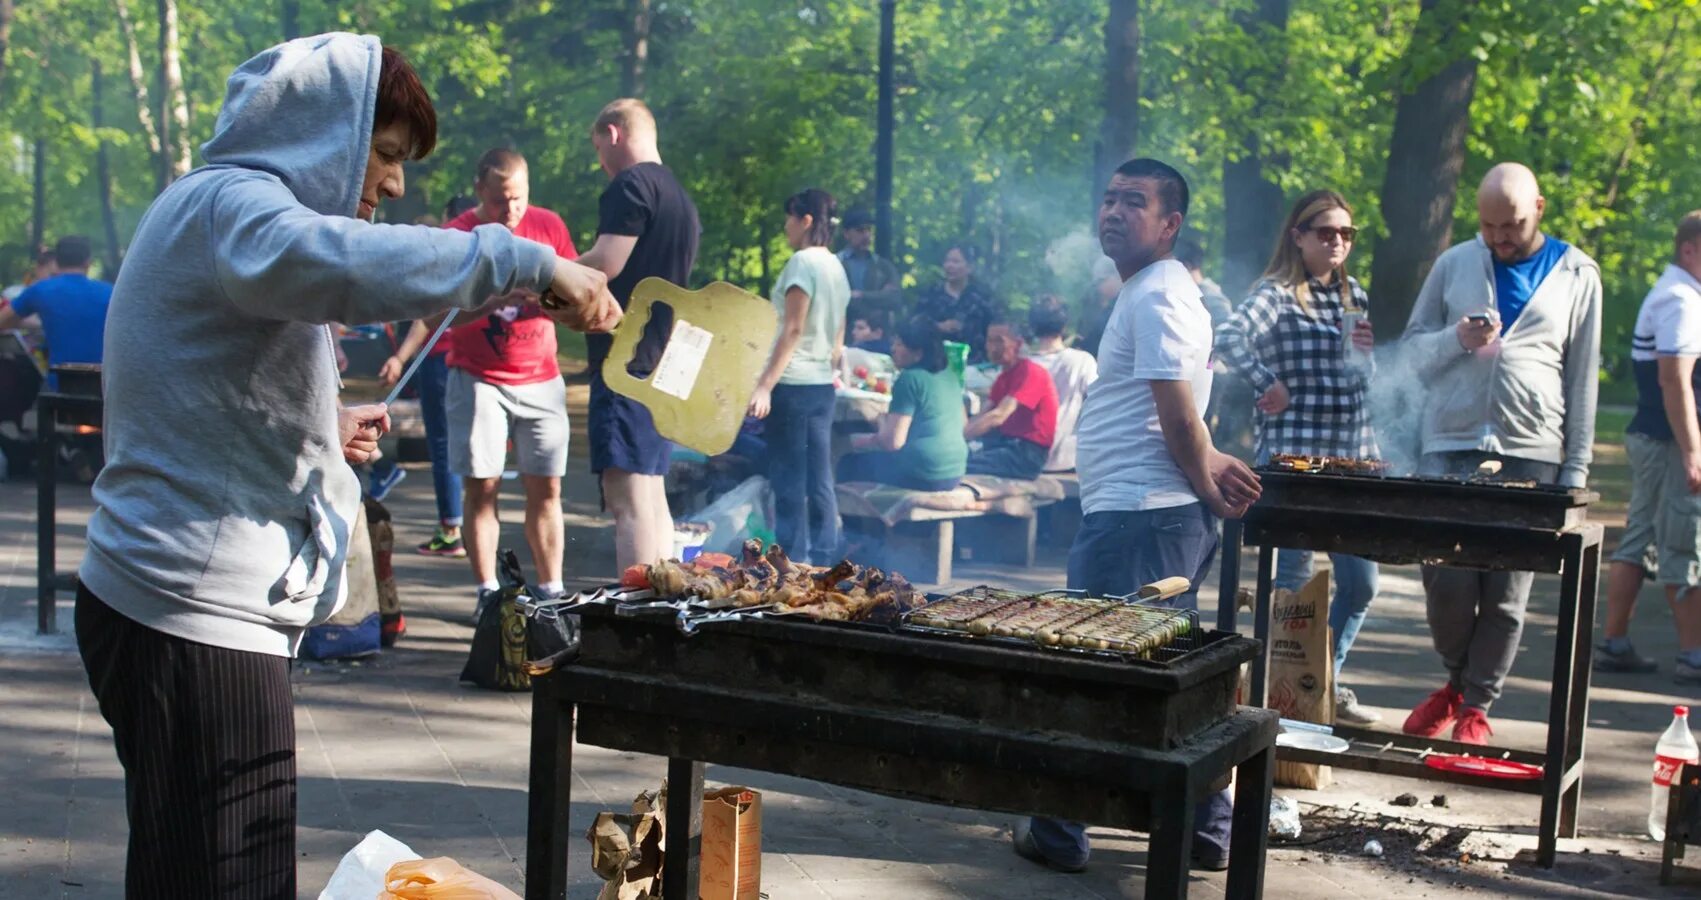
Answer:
(395, 743)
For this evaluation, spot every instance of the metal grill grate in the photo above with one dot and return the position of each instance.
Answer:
(979, 613)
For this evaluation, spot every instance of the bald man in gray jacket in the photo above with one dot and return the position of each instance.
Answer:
(1505, 337)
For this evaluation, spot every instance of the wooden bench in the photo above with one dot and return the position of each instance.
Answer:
(919, 527)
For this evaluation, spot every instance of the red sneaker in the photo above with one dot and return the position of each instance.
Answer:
(1472, 727)
(1435, 713)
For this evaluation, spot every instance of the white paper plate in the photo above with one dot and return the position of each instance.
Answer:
(1311, 740)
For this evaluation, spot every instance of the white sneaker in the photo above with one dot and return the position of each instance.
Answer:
(1349, 712)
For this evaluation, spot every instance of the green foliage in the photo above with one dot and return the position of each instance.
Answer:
(999, 105)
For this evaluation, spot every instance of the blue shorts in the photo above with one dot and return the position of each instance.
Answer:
(623, 435)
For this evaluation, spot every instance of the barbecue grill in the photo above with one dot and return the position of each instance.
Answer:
(75, 402)
(1473, 523)
(985, 722)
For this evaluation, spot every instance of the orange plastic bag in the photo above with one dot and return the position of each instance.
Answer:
(440, 879)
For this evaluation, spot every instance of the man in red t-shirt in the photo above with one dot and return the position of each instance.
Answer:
(504, 384)
(1024, 412)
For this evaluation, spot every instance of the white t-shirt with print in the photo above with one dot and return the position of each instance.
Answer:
(1158, 331)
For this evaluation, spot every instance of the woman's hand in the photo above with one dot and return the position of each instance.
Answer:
(582, 297)
(391, 371)
(1275, 400)
(1363, 336)
(359, 427)
(761, 402)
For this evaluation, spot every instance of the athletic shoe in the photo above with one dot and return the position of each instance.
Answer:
(485, 599)
(1022, 841)
(1435, 713)
(442, 546)
(1628, 660)
(1348, 712)
(1208, 863)
(1472, 727)
(1684, 673)
(379, 487)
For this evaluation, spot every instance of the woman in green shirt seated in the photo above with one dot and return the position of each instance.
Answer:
(920, 442)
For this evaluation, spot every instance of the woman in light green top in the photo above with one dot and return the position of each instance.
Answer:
(920, 443)
(795, 391)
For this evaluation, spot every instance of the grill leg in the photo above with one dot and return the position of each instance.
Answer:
(1254, 782)
(550, 793)
(1169, 853)
(1559, 710)
(1261, 626)
(682, 865)
(46, 518)
(1228, 583)
(1581, 670)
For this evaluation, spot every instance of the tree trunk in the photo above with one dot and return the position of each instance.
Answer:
(139, 84)
(637, 48)
(1252, 203)
(289, 19)
(1426, 155)
(38, 208)
(174, 104)
(5, 37)
(103, 170)
(1119, 133)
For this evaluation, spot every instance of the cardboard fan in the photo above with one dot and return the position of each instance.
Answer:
(700, 388)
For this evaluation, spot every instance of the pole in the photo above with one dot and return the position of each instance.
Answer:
(883, 138)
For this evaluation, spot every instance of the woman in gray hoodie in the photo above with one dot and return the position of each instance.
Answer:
(223, 515)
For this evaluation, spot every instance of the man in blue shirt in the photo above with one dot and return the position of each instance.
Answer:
(70, 305)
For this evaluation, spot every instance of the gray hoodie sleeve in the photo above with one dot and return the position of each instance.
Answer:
(1582, 381)
(1431, 341)
(277, 259)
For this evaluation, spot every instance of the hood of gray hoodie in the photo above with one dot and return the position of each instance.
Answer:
(328, 86)
(225, 512)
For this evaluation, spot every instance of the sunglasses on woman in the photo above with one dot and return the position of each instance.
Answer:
(1326, 233)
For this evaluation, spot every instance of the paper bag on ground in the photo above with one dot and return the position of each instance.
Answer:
(626, 850)
(732, 845)
(1302, 669)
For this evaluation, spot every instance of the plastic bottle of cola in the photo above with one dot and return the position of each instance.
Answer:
(1676, 747)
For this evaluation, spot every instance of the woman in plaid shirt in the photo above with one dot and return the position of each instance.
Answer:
(1287, 339)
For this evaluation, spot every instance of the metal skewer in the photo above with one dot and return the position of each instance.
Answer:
(420, 358)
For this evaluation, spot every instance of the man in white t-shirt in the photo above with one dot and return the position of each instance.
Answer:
(1152, 485)
(1664, 444)
(1072, 372)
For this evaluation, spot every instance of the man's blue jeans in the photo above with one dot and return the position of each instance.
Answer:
(432, 382)
(1355, 587)
(1116, 553)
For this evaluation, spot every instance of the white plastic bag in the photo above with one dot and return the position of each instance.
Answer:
(737, 515)
(361, 874)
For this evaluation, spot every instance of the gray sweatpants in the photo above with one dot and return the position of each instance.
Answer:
(1476, 618)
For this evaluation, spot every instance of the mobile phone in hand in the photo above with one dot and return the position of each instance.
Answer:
(1480, 319)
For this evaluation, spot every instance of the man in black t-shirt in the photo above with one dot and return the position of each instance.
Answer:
(647, 226)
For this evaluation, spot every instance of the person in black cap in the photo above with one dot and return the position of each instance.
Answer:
(873, 279)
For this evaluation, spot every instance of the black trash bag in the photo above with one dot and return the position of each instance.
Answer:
(512, 632)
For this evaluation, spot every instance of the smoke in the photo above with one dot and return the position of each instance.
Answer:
(1072, 259)
(1394, 404)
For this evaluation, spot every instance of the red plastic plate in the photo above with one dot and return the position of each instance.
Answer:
(1490, 768)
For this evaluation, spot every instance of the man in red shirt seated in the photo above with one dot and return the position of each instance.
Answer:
(1024, 412)
(504, 384)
